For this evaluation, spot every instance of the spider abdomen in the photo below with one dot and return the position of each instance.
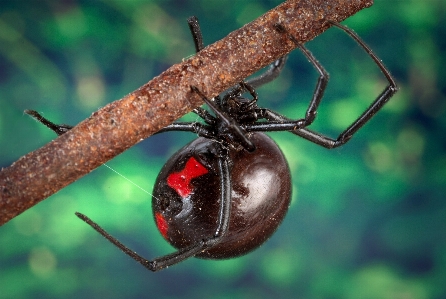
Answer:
(187, 196)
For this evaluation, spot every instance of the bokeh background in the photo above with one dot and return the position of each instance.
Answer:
(367, 220)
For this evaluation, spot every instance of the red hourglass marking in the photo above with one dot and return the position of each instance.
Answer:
(162, 224)
(180, 181)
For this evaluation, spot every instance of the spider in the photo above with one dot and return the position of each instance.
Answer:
(225, 193)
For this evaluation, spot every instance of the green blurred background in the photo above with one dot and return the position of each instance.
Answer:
(367, 220)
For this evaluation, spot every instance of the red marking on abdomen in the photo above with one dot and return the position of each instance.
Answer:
(180, 181)
(162, 225)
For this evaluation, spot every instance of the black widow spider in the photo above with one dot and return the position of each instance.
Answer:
(225, 193)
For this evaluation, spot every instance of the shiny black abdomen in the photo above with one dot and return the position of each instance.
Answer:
(187, 196)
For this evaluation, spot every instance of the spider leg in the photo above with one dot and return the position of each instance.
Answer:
(377, 104)
(182, 254)
(269, 75)
(198, 128)
(319, 90)
(279, 121)
(237, 91)
(288, 124)
(250, 89)
(205, 115)
(195, 127)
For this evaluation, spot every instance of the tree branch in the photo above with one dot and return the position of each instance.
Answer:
(123, 123)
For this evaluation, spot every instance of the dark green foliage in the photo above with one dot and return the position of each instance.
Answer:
(367, 220)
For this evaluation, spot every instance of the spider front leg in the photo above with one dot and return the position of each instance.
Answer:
(322, 81)
(192, 250)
